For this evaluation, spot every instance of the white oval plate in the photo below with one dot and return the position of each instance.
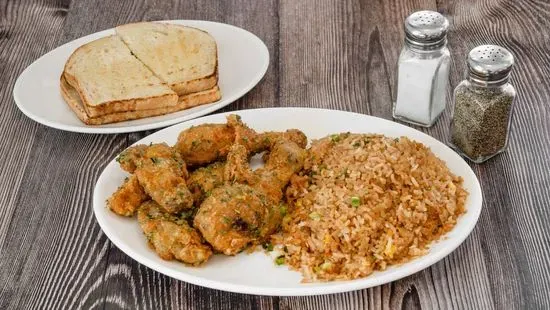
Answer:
(243, 60)
(256, 273)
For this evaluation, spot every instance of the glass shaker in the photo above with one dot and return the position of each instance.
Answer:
(423, 69)
(484, 102)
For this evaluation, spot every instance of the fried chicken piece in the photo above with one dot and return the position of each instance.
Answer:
(204, 144)
(247, 209)
(234, 216)
(237, 168)
(159, 172)
(162, 173)
(129, 158)
(285, 159)
(265, 139)
(171, 236)
(203, 180)
(259, 142)
(128, 197)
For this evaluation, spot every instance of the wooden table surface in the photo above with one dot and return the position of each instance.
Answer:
(331, 54)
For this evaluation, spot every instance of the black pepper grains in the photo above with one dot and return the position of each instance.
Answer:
(481, 120)
(483, 104)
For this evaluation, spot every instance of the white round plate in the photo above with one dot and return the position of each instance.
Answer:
(256, 273)
(242, 58)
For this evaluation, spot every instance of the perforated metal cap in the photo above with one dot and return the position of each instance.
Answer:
(426, 29)
(490, 63)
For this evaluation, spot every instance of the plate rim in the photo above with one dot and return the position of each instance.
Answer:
(90, 129)
(307, 290)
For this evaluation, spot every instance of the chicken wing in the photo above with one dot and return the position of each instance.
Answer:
(161, 172)
(204, 144)
(171, 236)
(129, 158)
(234, 216)
(128, 197)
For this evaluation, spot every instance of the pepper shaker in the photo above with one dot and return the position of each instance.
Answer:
(484, 102)
(423, 69)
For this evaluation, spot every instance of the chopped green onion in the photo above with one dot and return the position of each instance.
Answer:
(283, 210)
(335, 137)
(314, 216)
(268, 246)
(280, 260)
(286, 220)
(326, 265)
(355, 201)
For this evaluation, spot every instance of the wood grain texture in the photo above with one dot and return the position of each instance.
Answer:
(329, 54)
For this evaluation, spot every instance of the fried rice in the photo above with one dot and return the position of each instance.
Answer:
(364, 202)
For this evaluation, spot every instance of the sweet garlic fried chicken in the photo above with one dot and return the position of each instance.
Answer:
(204, 144)
(247, 209)
(130, 157)
(235, 206)
(161, 172)
(203, 180)
(127, 199)
(234, 216)
(171, 236)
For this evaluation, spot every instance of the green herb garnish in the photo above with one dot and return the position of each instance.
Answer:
(355, 201)
(280, 260)
(315, 216)
(268, 246)
(283, 210)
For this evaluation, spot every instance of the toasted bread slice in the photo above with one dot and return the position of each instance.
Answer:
(72, 97)
(183, 57)
(110, 79)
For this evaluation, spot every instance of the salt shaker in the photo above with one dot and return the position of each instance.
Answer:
(423, 69)
(484, 102)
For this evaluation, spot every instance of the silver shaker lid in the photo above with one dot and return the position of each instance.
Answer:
(490, 63)
(426, 29)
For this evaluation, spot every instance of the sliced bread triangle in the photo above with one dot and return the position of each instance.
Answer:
(109, 79)
(183, 57)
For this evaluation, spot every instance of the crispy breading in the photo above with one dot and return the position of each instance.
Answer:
(171, 236)
(128, 197)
